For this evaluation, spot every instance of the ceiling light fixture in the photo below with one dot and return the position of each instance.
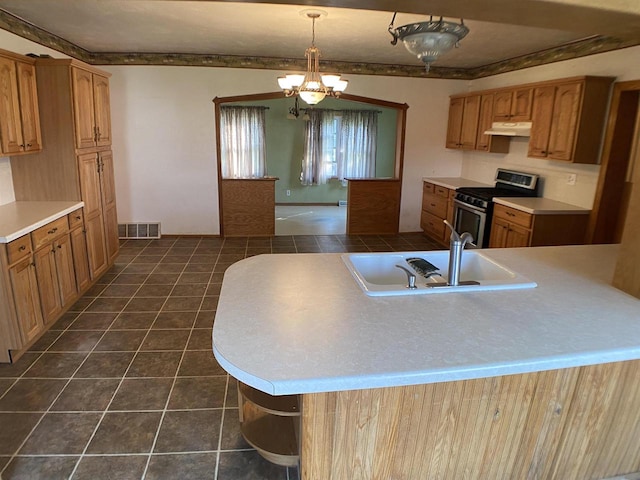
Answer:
(429, 40)
(312, 87)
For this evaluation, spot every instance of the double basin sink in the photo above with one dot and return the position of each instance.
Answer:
(378, 275)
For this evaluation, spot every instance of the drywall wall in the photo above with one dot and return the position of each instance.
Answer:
(482, 166)
(7, 194)
(164, 139)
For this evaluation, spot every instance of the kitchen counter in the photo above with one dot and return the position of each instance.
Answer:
(20, 218)
(540, 206)
(453, 183)
(300, 324)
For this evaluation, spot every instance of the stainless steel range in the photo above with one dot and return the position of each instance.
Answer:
(473, 206)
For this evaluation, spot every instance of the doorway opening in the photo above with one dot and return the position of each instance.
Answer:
(317, 208)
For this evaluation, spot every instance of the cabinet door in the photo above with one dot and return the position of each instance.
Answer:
(25, 296)
(521, 105)
(88, 169)
(502, 106)
(454, 126)
(11, 140)
(107, 181)
(564, 121)
(96, 245)
(469, 129)
(517, 237)
(111, 233)
(29, 113)
(64, 270)
(83, 107)
(80, 258)
(47, 283)
(485, 118)
(102, 110)
(542, 112)
(499, 231)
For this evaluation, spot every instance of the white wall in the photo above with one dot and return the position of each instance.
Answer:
(164, 139)
(622, 64)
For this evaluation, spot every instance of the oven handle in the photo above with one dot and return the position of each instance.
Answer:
(466, 206)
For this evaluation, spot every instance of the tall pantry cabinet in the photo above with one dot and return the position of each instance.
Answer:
(76, 162)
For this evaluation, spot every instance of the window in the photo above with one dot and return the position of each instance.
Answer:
(339, 144)
(242, 142)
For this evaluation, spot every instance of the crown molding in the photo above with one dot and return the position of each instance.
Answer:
(590, 46)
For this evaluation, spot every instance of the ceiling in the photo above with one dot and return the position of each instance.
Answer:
(275, 35)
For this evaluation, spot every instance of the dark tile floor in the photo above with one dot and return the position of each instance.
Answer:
(125, 385)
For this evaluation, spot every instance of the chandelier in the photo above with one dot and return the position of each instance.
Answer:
(429, 40)
(312, 87)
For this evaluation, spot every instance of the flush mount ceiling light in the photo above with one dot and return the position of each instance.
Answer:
(312, 87)
(429, 40)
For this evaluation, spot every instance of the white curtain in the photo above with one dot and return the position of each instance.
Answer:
(339, 144)
(242, 142)
(358, 137)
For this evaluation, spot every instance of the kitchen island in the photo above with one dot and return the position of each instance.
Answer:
(534, 383)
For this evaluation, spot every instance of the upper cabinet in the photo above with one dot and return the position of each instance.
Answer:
(469, 117)
(19, 116)
(568, 118)
(91, 107)
(513, 105)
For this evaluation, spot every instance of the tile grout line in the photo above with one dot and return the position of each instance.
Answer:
(124, 375)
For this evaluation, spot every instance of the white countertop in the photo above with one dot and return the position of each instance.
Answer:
(20, 218)
(454, 183)
(300, 324)
(540, 206)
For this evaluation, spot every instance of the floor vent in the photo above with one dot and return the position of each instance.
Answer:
(342, 203)
(138, 230)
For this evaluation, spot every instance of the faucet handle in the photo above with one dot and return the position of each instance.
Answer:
(411, 277)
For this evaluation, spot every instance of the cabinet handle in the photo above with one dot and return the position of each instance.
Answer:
(511, 214)
(59, 247)
(78, 217)
(29, 145)
(433, 204)
(22, 248)
(53, 231)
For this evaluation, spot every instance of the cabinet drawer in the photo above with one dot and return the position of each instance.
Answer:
(428, 188)
(75, 219)
(19, 248)
(49, 232)
(514, 216)
(432, 225)
(435, 205)
(442, 191)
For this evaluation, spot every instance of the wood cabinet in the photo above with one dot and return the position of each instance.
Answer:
(512, 105)
(91, 108)
(511, 228)
(55, 269)
(19, 114)
(77, 163)
(463, 122)
(79, 249)
(270, 424)
(469, 117)
(437, 205)
(567, 120)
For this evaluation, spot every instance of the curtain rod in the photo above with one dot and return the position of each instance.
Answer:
(338, 110)
(246, 106)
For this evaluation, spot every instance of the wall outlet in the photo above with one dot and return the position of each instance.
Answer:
(289, 192)
(572, 178)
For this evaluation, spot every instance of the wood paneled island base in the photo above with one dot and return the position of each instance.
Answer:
(575, 423)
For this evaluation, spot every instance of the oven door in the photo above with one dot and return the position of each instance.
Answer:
(468, 218)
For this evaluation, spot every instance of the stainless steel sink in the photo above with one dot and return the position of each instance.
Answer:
(378, 275)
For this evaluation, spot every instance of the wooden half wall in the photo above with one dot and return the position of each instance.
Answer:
(572, 424)
(373, 206)
(248, 207)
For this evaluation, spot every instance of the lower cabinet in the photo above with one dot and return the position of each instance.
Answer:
(56, 277)
(26, 299)
(437, 205)
(41, 275)
(512, 228)
(270, 424)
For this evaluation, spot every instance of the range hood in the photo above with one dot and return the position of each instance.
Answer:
(510, 129)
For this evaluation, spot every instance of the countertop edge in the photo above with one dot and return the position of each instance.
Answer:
(453, 183)
(556, 207)
(39, 223)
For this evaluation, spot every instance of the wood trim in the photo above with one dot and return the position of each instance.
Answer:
(572, 424)
(614, 162)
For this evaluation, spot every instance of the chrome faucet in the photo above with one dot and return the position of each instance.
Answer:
(456, 247)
